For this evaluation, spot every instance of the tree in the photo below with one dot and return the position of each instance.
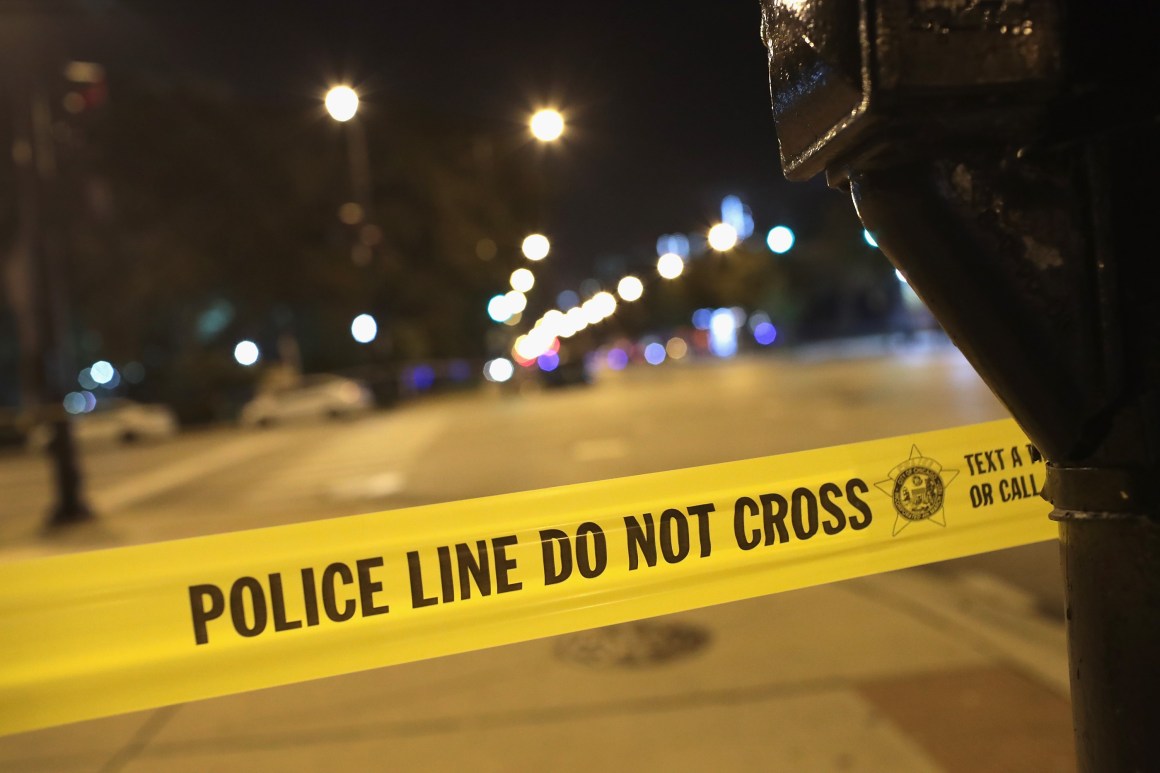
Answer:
(219, 204)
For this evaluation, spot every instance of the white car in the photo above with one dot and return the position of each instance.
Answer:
(314, 397)
(113, 420)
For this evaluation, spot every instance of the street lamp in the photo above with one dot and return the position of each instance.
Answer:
(547, 125)
(342, 103)
(722, 237)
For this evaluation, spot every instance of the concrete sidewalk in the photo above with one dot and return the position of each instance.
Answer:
(911, 671)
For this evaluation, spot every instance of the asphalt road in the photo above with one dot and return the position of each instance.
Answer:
(958, 666)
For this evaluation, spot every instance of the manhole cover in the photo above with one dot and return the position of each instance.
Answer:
(640, 644)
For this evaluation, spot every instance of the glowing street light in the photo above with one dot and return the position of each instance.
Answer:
(522, 280)
(547, 125)
(722, 237)
(670, 265)
(630, 288)
(342, 103)
(535, 247)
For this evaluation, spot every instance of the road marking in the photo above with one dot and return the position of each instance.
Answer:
(599, 449)
(382, 485)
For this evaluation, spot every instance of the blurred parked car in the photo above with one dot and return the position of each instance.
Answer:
(314, 397)
(113, 420)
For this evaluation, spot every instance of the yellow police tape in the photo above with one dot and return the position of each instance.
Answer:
(112, 631)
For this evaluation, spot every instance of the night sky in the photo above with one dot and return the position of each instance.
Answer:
(667, 103)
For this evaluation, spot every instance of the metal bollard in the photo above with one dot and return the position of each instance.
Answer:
(1003, 155)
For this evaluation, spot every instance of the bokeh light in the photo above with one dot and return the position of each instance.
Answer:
(364, 328)
(553, 321)
(459, 370)
(723, 333)
(670, 265)
(499, 370)
(102, 372)
(617, 359)
(722, 237)
(576, 319)
(869, 237)
(246, 353)
(630, 288)
(548, 361)
(764, 333)
(85, 379)
(485, 249)
(604, 303)
(498, 308)
(654, 353)
(547, 125)
(735, 213)
(534, 343)
(522, 280)
(675, 243)
(422, 377)
(342, 103)
(516, 302)
(535, 247)
(74, 403)
(780, 239)
(677, 348)
(351, 213)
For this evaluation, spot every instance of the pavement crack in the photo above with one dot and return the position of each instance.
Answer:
(146, 733)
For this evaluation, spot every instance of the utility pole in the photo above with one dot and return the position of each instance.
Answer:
(34, 271)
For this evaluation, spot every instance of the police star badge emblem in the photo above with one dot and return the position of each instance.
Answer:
(917, 489)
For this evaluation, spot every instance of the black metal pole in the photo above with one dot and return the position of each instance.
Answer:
(1110, 567)
(43, 307)
(1004, 157)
